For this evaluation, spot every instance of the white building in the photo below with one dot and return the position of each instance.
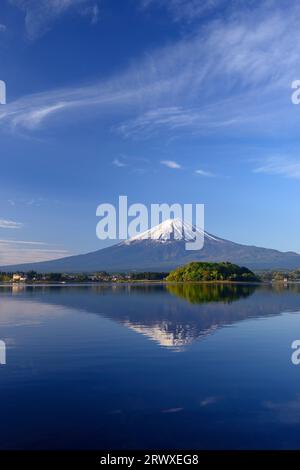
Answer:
(19, 278)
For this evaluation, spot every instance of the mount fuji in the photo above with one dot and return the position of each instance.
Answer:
(162, 248)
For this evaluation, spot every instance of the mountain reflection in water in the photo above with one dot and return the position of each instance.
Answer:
(172, 315)
(150, 366)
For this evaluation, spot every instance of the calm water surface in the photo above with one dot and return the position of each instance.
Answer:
(150, 366)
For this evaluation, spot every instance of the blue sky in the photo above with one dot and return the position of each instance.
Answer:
(161, 100)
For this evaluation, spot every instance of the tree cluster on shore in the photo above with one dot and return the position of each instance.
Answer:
(204, 271)
(279, 276)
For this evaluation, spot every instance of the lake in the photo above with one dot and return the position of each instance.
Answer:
(150, 367)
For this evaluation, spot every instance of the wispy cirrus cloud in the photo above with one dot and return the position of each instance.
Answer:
(10, 224)
(172, 117)
(3, 28)
(188, 10)
(34, 201)
(231, 75)
(171, 164)
(281, 166)
(20, 242)
(10, 255)
(27, 251)
(41, 14)
(176, 119)
(35, 117)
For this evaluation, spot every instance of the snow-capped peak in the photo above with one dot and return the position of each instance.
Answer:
(171, 229)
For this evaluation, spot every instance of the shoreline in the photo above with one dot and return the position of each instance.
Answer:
(136, 282)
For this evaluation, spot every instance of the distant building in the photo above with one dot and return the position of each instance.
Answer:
(19, 278)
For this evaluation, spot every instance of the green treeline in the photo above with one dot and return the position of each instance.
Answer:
(197, 271)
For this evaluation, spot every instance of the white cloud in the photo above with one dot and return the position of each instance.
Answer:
(120, 164)
(172, 117)
(233, 75)
(171, 164)
(282, 166)
(23, 251)
(177, 119)
(41, 14)
(20, 242)
(3, 28)
(204, 173)
(134, 164)
(34, 201)
(35, 117)
(187, 10)
(16, 255)
(10, 224)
